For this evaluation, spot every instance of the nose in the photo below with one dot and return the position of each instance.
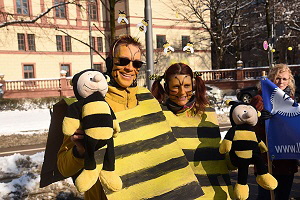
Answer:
(97, 78)
(129, 67)
(247, 114)
(181, 90)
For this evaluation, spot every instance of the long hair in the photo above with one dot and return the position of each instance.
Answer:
(161, 93)
(279, 68)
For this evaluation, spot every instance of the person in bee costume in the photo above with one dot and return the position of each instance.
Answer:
(146, 152)
(245, 148)
(195, 126)
(100, 125)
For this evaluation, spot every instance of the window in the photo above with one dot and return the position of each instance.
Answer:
(99, 67)
(21, 41)
(22, 7)
(31, 42)
(160, 40)
(99, 44)
(28, 71)
(93, 11)
(63, 43)
(68, 43)
(60, 11)
(93, 42)
(26, 42)
(184, 40)
(66, 68)
(59, 43)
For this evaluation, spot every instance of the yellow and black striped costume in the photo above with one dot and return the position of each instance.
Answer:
(199, 137)
(99, 123)
(149, 160)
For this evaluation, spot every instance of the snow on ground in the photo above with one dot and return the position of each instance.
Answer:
(27, 168)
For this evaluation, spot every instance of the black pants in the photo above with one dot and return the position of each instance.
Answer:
(283, 190)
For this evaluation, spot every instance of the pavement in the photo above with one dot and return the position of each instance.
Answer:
(295, 192)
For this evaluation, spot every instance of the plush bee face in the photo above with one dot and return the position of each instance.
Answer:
(244, 114)
(90, 82)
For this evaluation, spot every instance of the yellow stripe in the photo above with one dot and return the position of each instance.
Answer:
(193, 143)
(70, 125)
(209, 167)
(216, 193)
(145, 107)
(208, 119)
(147, 159)
(145, 190)
(245, 135)
(141, 133)
(100, 133)
(96, 107)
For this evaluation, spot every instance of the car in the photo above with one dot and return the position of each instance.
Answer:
(246, 94)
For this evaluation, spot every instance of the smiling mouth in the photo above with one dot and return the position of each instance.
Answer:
(240, 118)
(90, 88)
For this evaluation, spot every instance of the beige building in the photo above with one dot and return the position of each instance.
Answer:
(42, 49)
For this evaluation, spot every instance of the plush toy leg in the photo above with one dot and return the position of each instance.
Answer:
(241, 192)
(111, 180)
(267, 181)
(87, 179)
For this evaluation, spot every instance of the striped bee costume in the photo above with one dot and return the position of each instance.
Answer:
(149, 160)
(199, 137)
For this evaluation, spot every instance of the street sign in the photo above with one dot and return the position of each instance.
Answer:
(265, 45)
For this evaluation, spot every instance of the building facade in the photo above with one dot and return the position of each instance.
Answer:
(41, 46)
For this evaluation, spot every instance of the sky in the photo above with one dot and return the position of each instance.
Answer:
(26, 122)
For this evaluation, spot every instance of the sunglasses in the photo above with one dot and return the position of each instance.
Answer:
(126, 61)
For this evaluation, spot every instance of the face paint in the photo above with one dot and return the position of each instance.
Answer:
(126, 74)
(180, 89)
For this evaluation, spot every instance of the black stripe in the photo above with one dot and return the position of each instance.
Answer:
(144, 96)
(189, 191)
(156, 171)
(202, 132)
(144, 120)
(209, 109)
(203, 154)
(139, 146)
(241, 145)
(214, 179)
(97, 120)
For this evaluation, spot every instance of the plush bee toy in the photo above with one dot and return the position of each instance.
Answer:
(188, 48)
(92, 114)
(143, 25)
(245, 148)
(122, 18)
(167, 48)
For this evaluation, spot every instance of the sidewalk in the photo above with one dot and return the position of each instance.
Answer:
(295, 193)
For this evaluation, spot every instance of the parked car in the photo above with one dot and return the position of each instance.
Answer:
(246, 94)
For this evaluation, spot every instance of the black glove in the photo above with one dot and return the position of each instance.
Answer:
(265, 114)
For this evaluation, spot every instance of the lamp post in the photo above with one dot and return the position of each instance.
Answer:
(149, 43)
(90, 32)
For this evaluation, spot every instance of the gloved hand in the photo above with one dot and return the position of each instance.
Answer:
(265, 114)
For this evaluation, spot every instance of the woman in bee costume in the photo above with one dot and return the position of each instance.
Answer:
(146, 152)
(195, 127)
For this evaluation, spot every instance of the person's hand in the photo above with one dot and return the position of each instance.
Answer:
(265, 114)
(77, 139)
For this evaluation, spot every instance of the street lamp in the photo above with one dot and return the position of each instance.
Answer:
(239, 64)
(90, 32)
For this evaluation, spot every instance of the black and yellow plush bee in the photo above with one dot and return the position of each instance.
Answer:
(92, 114)
(245, 148)
(143, 25)
(189, 48)
(167, 48)
(122, 18)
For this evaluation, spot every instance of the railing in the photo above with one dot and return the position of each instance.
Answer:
(223, 78)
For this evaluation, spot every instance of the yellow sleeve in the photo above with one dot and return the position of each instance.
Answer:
(67, 163)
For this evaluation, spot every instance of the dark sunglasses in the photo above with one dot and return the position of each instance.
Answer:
(126, 61)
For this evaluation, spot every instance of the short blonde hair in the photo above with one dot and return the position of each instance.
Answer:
(279, 68)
